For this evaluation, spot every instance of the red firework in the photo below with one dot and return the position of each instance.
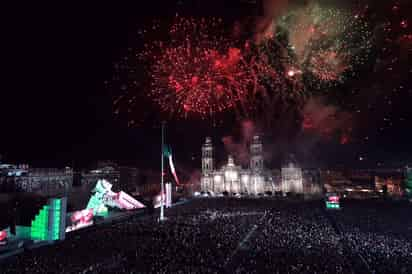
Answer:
(200, 70)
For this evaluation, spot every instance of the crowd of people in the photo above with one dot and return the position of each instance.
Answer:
(295, 239)
(225, 235)
(380, 232)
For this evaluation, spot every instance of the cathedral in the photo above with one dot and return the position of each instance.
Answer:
(255, 180)
(231, 178)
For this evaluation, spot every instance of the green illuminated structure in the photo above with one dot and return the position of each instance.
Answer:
(101, 198)
(96, 203)
(49, 223)
(331, 205)
(104, 198)
(39, 226)
(408, 182)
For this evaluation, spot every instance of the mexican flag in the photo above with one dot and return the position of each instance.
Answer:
(167, 152)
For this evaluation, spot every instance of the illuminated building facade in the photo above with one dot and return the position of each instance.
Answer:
(391, 185)
(232, 178)
(312, 184)
(47, 181)
(357, 184)
(292, 179)
(105, 170)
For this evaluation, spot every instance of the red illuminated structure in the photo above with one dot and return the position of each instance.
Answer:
(80, 219)
(3, 237)
(83, 216)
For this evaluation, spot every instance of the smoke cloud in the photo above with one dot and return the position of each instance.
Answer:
(239, 149)
(265, 25)
(326, 120)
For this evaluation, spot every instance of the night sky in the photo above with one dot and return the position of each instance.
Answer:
(55, 108)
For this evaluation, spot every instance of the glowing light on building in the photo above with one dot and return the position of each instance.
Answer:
(231, 175)
(245, 179)
(292, 179)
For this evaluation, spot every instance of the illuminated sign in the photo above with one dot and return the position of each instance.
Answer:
(330, 205)
(332, 201)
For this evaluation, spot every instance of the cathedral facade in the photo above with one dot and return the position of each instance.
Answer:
(256, 179)
(292, 179)
(232, 178)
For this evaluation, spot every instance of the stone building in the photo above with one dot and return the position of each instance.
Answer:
(232, 178)
(292, 179)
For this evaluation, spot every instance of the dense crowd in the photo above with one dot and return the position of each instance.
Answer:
(380, 232)
(232, 236)
(295, 239)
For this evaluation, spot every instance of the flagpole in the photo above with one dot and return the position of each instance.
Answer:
(162, 175)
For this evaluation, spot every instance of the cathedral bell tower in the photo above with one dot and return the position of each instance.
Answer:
(207, 157)
(256, 154)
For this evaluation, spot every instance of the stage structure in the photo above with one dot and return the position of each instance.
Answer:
(49, 224)
(103, 197)
(80, 219)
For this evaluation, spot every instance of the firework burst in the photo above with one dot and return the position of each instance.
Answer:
(326, 45)
(197, 69)
(200, 70)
